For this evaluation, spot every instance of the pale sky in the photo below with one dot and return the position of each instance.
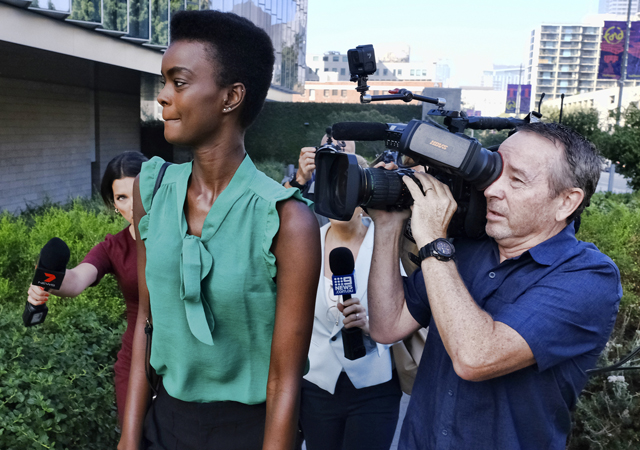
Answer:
(471, 34)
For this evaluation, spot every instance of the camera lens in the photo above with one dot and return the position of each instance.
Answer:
(384, 188)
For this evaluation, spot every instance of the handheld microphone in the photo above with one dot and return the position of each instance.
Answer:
(50, 272)
(344, 283)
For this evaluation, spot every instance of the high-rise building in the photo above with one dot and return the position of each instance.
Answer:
(563, 59)
(618, 7)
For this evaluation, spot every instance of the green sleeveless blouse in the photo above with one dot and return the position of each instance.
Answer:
(213, 298)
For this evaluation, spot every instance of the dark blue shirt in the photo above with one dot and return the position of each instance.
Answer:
(562, 297)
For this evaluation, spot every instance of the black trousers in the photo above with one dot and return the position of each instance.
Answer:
(172, 424)
(350, 419)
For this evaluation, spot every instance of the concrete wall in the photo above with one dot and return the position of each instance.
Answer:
(118, 126)
(46, 142)
(48, 139)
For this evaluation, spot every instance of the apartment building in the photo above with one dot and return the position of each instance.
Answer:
(563, 59)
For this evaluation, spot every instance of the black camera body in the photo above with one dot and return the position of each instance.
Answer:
(455, 159)
(362, 61)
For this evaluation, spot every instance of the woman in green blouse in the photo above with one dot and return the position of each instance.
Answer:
(228, 260)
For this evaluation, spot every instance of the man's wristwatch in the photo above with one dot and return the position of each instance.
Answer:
(294, 183)
(440, 249)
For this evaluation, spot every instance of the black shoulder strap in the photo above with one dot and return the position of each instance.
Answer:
(163, 169)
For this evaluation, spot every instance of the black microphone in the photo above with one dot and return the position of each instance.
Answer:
(344, 283)
(360, 131)
(50, 271)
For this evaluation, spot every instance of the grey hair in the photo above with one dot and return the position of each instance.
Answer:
(580, 167)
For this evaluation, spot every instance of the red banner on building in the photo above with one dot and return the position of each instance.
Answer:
(611, 50)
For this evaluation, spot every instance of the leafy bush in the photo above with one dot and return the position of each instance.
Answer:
(608, 412)
(56, 379)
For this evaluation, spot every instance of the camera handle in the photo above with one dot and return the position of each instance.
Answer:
(395, 94)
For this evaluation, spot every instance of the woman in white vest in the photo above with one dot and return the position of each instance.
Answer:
(347, 404)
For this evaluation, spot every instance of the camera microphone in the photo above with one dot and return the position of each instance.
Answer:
(360, 131)
(50, 272)
(344, 283)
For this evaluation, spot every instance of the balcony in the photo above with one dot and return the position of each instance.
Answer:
(549, 36)
(546, 67)
(572, 30)
(548, 52)
(564, 44)
(545, 82)
(546, 75)
(589, 45)
(589, 38)
(584, 60)
(590, 30)
(571, 37)
(569, 60)
(549, 29)
(567, 75)
(588, 53)
(587, 69)
(547, 60)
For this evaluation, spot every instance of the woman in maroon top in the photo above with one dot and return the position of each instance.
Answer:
(115, 255)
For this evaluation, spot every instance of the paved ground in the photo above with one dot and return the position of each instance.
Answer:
(619, 183)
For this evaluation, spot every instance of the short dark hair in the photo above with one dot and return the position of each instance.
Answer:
(580, 167)
(243, 51)
(127, 164)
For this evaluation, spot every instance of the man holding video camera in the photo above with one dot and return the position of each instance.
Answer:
(516, 318)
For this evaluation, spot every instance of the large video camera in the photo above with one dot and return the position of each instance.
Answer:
(451, 156)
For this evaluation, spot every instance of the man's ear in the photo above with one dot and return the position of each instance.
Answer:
(570, 200)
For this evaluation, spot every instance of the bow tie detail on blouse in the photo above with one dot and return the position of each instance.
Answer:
(195, 264)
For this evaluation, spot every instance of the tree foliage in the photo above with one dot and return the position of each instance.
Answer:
(622, 145)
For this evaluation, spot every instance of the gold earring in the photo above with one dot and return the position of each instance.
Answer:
(116, 209)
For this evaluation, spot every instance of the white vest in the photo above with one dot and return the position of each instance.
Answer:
(326, 352)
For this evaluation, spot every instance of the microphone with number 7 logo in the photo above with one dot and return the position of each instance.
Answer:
(52, 266)
(344, 283)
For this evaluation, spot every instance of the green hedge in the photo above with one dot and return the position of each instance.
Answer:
(608, 412)
(280, 131)
(56, 379)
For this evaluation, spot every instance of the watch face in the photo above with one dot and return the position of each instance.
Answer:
(444, 248)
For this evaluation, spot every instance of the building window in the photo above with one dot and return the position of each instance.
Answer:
(394, 71)
(424, 72)
(413, 72)
(344, 59)
(325, 58)
(399, 71)
(315, 58)
(336, 58)
(326, 69)
(326, 92)
(612, 99)
(343, 92)
(316, 71)
(342, 71)
(334, 92)
(385, 72)
(334, 69)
